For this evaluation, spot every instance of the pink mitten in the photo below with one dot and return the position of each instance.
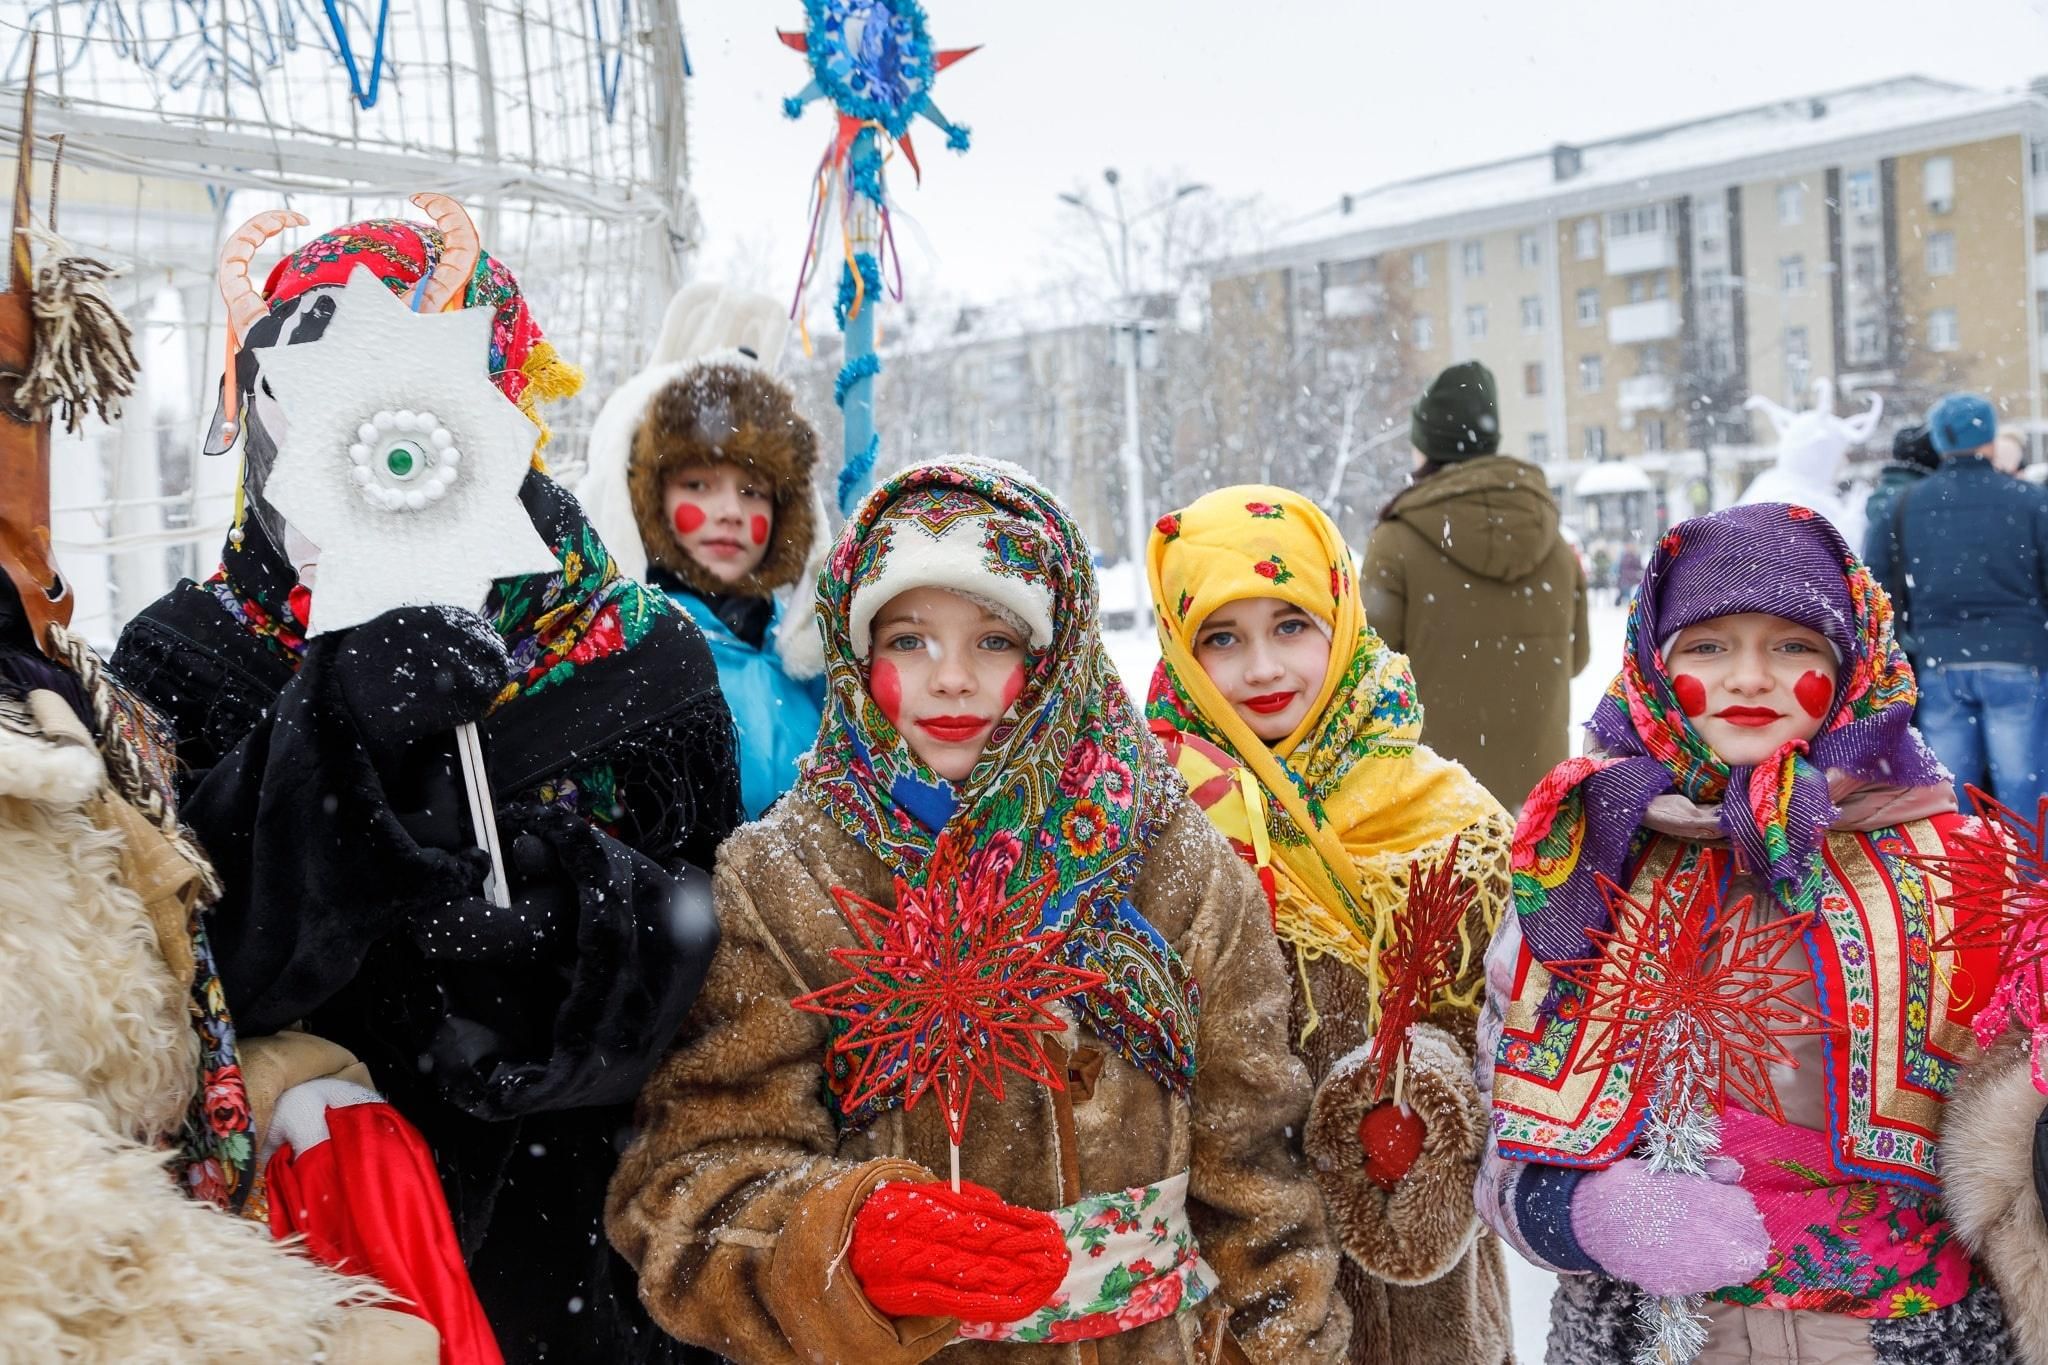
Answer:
(1671, 1233)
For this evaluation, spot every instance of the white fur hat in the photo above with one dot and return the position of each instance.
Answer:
(954, 539)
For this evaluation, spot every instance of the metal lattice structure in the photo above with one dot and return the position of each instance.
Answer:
(558, 123)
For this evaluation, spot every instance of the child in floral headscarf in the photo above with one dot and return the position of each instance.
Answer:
(1299, 733)
(781, 1201)
(1758, 735)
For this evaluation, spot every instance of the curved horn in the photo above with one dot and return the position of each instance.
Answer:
(1861, 427)
(1824, 395)
(1780, 419)
(245, 306)
(460, 246)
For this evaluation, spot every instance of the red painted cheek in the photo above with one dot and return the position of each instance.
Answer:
(1814, 691)
(1014, 688)
(885, 685)
(689, 517)
(758, 529)
(1691, 694)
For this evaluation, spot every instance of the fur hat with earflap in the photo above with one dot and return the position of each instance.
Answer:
(710, 397)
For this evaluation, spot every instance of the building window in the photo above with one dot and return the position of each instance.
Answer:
(1721, 358)
(1941, 330)
(1643, 288)
(1798, 361)
(1941, 253)
(1532, 314)
(1653, 433)
(1861, 187)
(1938, 183)
(1539, 446)
(1591, 372)
(1714, 286)
(1711, 219)
(1589, 307)
(1418, 267)
(1863, 265)
(1425, 334)
(1586, 238)
(1473, 254)
(1866, 343)
(1636, 222)
(1791, 203)
(2037, 156)
(1475, 321)
(1596, 443)
(1530, 248)
(1532, 379)
(1791, 273)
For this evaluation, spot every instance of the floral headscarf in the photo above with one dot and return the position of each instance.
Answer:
(1581, 821)
(1354, 797)
(1070, 782)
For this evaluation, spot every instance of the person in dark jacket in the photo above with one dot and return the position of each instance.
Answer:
(1913, 459)
(319, 774)
(1967, 567)
(1467, 575)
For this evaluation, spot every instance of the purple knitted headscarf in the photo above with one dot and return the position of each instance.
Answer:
(1581, 821)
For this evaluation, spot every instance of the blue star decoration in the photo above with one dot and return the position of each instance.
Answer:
(875, 62)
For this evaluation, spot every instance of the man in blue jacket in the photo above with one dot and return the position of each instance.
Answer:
(1968, 574)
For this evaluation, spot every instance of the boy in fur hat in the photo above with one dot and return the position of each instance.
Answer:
(703, 461)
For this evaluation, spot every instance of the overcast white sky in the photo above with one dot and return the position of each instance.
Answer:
(1289, 101)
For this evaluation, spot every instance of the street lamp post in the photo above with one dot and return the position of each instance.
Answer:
(1129, 334)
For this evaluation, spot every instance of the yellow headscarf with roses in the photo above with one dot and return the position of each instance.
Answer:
(1353, 798)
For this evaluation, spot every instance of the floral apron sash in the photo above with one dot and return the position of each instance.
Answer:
(1133, 1261)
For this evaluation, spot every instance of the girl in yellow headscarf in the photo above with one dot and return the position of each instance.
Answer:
(1299, 733)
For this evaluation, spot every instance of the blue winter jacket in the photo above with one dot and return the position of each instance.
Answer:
(1974, 581)
(774, 715)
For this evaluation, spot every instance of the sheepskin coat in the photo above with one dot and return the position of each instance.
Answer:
(735, 1201)
(102, 1257)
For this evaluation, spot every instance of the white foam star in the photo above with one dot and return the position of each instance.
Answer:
(400, 459)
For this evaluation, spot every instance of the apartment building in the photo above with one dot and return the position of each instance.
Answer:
(1630, 294)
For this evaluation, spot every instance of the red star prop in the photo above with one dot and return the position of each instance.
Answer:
(1997, 897)
(1676, 982)
(950, 989)
(1417, 964)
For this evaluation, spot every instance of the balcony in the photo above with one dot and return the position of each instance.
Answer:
(1641, 251)
(2041, 270)
(1647, 392)
(1650, 320)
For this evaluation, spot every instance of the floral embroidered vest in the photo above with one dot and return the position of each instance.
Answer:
(1905, 1011)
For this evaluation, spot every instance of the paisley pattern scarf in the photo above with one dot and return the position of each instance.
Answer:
(1354, 799)
(1582, 820)
(1070, 781)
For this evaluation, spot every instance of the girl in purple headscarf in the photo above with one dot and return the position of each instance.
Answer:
(1759, 734)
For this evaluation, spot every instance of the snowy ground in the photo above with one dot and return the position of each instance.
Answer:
(1136, 653)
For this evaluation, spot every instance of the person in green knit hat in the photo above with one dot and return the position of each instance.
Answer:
(1467, 574)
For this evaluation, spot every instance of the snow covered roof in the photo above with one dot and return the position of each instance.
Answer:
(1882, 118)
(1610, 477)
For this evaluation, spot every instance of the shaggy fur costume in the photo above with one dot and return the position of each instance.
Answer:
(727, 410)
(1989, 1141)
(102, 1258)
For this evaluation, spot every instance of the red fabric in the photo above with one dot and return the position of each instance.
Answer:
(926, 1250)
(1392, 1138)
(368, 1202)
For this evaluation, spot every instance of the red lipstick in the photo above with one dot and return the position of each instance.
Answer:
(1272, 704)
(1749, 717)
(953, 729)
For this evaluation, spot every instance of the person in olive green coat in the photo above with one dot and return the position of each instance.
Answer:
(1467, 575)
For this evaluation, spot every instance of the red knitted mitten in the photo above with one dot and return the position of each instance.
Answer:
(923, 1250)
(1392, 1138)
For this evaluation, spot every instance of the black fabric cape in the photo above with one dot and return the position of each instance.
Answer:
(515, 1039)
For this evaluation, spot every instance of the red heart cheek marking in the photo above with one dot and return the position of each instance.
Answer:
(885, 685)
(1014, 688)
(758, 529)
(1691, 694)
(689, 517)
(1814, 691)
